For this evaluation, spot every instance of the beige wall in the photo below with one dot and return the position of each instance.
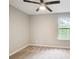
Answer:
(19, 29)
(44, 30)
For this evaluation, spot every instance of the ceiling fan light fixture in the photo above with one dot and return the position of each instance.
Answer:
(43, 5)
(42, 8)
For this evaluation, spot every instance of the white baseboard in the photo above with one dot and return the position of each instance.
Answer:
(55, 46)
(18, 50)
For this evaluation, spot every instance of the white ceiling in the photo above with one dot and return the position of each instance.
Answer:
(30, 8)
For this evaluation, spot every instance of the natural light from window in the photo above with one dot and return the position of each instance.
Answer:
(64, 27)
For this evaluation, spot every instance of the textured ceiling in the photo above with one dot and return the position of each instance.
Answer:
(30, 8)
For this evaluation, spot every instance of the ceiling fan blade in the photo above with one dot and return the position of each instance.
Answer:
(37, 9)
(41, 1)
(31, 1)
(48, 8)
(52, 2)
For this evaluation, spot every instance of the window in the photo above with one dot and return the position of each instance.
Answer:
(64, 28)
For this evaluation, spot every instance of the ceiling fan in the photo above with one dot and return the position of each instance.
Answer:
(43, 4)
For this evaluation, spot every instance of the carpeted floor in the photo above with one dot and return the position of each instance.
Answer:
(42, 53)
